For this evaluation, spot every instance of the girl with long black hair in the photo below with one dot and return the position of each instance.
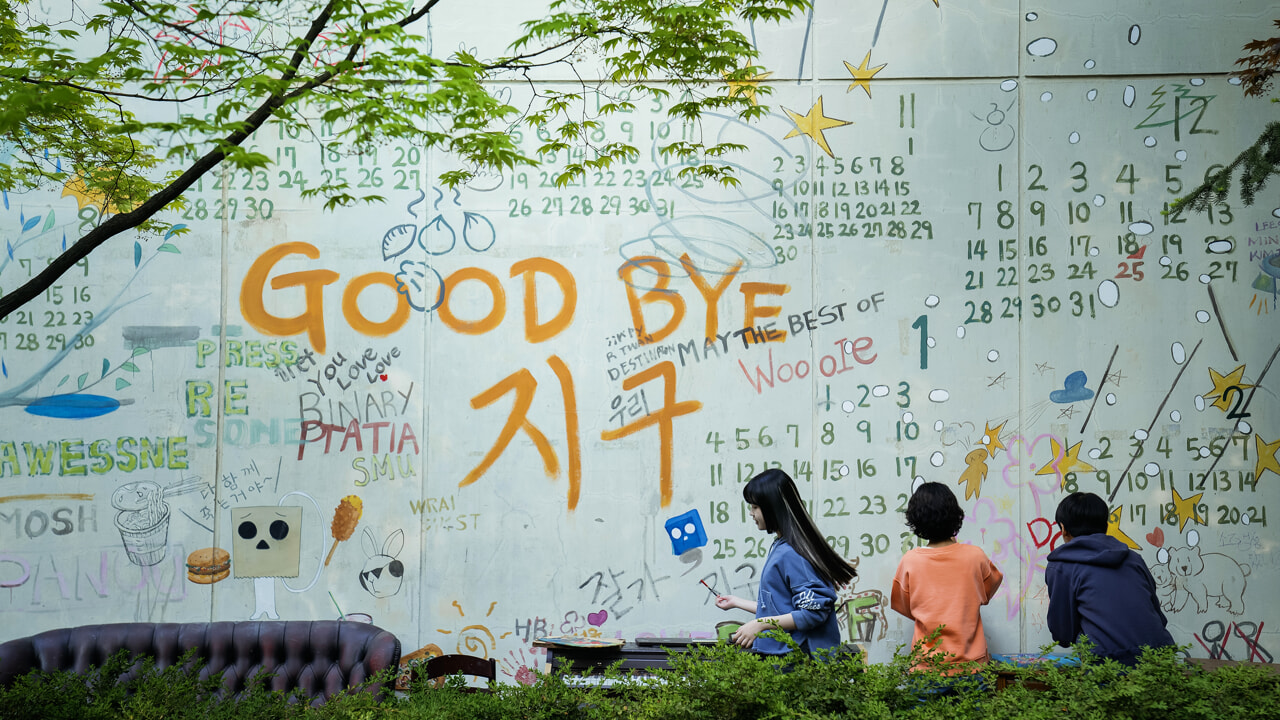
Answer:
(800, 576)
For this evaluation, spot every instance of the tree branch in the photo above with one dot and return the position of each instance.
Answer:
(117, 224)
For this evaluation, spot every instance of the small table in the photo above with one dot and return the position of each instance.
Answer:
(1213, 664)
(1007, 666)
(642, 655)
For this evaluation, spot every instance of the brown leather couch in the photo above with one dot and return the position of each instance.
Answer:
(320, 657)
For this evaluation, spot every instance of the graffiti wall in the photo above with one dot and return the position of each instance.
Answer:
(484, 415)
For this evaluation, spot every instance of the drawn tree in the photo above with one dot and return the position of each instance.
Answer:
(1258, 162)
(127, 103)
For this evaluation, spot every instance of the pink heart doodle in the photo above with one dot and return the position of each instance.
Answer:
(1156, 537)
(598, 618)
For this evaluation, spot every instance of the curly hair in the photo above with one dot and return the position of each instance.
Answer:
(933, 512)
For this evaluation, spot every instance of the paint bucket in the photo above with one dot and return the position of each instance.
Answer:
(726, 629)
(144, 540)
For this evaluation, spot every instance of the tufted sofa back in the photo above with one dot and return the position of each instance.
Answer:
(322, 657)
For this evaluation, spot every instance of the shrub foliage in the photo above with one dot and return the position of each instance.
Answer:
(708, 683)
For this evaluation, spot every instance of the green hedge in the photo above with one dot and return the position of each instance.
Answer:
(707, 683)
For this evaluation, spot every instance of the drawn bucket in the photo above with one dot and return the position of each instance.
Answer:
(144, 541)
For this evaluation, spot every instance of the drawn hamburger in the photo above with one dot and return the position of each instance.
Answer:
(208, 565)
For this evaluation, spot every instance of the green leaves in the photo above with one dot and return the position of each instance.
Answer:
(720, 682)
(131, 102)
(1255, 165)
(653, 49)
(362, 69)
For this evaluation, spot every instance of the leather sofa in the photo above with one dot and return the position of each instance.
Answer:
(320, 657)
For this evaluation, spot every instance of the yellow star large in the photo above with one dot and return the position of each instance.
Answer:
(1266, 457)
(1113, 528)
(77, 188)
(1221, 383)
(1186, 509)
(861, 75)
(813, 124)
(747, 88)
(991, 439)
(1065, 462)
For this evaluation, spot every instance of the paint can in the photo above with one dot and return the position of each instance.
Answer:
(726, 629)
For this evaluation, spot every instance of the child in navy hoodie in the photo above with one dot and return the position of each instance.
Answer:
(1100, 588)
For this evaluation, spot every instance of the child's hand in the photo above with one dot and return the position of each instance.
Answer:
(727, 602)
(746, 635)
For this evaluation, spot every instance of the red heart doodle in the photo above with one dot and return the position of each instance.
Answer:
(598, 618)
(383, 377)
(1156, 537)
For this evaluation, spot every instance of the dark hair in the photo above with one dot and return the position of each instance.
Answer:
(775, 493)
(1082, 513)
(933, 512)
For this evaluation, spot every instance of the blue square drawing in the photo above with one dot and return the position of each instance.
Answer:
(686, 532)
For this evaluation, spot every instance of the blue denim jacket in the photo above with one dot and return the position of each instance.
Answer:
(789, 584)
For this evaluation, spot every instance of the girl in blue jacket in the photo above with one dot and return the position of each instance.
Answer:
(800, 576)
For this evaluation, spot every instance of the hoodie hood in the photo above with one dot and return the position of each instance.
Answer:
(1096, 549)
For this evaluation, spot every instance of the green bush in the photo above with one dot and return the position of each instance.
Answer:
(717, 682)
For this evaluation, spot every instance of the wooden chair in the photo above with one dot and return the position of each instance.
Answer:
(438, 668)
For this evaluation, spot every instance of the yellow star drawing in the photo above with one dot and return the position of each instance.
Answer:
(1223, 383)
(862, 75)
(991, 439)
(747, 88)
(76, 188)
(813, 124)
(1186, 509)
(1266, 457)
(1065, 462)
(1113, 528)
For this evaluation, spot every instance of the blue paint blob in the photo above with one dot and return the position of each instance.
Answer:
(74, 406)
(1073, 389)
(686, 532)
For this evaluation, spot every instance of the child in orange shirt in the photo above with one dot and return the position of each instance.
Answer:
(944, 583)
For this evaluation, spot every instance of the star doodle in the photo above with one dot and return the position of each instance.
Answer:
(79, 189)
(1065, 462)
(1113, 528)
(1225, 386)
(747, 87)
(1043, 368)
(991, 439)
(1000, 380)
(1115, 377)
(813, 124)
(862, 75)
(1067, 412)
(1266, 457)
(1185, 509)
